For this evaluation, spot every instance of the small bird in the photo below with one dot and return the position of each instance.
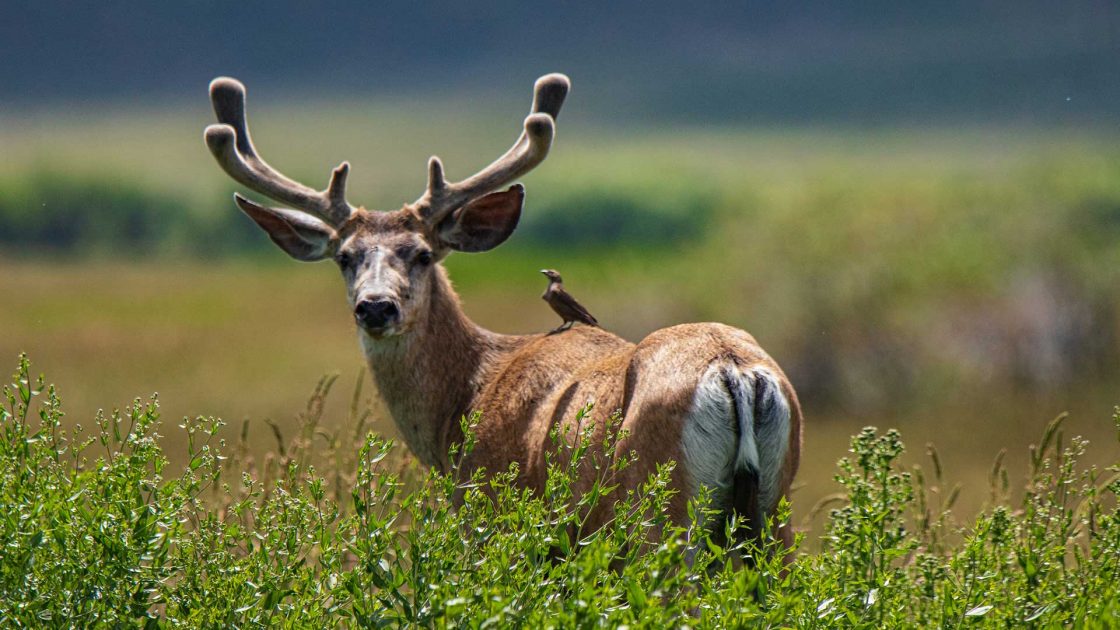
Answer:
(564, 304)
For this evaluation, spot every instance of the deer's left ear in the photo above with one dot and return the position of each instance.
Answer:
(484, 223)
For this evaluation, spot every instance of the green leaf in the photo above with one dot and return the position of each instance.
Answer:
(635, 594)
(455, 607)
(979, 611)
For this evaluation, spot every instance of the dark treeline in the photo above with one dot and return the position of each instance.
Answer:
(1017, 60)
(50, 212)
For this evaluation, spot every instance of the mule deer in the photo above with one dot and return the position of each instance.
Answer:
(704, 395)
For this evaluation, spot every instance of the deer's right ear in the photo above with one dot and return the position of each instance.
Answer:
(302, 236)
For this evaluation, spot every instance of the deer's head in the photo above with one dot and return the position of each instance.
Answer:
(388, 259)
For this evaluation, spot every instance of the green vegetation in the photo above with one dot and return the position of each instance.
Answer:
(958, 284)
(338, 528)
(49, 212)
(878, 266)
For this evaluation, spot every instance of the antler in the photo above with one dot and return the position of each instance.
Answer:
(231, 145)
(531, 148)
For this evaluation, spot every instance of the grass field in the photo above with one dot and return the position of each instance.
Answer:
(959, 284)
(326, 530)
(249, 341)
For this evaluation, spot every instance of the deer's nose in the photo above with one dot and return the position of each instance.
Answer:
(376, 312)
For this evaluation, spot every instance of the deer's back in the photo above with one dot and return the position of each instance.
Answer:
(544, 383)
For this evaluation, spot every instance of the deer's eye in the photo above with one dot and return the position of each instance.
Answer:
(424, 257)
(345, 260)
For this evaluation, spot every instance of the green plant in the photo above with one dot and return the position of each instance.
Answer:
(97, 532)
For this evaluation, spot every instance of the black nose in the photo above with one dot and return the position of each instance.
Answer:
(376, 313)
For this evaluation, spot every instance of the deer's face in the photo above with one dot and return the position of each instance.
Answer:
(388, 259)
(388, 264)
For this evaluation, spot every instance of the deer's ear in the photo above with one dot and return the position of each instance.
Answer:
(484, 223)
(302, 236)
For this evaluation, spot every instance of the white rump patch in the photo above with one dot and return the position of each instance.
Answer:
(710, 437)
(739, 421)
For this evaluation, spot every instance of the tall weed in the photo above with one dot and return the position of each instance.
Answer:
(343, 529)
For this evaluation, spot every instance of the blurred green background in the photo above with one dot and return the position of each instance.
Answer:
(914, 208)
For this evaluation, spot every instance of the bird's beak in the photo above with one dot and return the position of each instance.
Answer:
(544, 271)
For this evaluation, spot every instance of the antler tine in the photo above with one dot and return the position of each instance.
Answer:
(549, 93)
(531, 148)
(232, 146)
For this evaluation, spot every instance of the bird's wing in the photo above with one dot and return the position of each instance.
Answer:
(575, 308)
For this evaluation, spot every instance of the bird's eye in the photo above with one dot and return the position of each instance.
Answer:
(424, 257)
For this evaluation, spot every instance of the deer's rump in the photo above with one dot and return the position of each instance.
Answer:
(703, 395)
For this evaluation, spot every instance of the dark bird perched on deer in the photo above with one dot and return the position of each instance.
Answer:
(564, 304)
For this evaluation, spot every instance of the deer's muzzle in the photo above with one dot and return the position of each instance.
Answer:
(375, 314)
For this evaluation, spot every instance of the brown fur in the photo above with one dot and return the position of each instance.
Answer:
(433, 366)
(523, 386)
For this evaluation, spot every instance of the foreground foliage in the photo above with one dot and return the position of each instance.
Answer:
(96, 531)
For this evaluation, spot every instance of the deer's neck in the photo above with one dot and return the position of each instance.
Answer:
(430, 375)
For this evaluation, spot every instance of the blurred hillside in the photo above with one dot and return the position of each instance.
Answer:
(885, 270)
(1036, 61)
